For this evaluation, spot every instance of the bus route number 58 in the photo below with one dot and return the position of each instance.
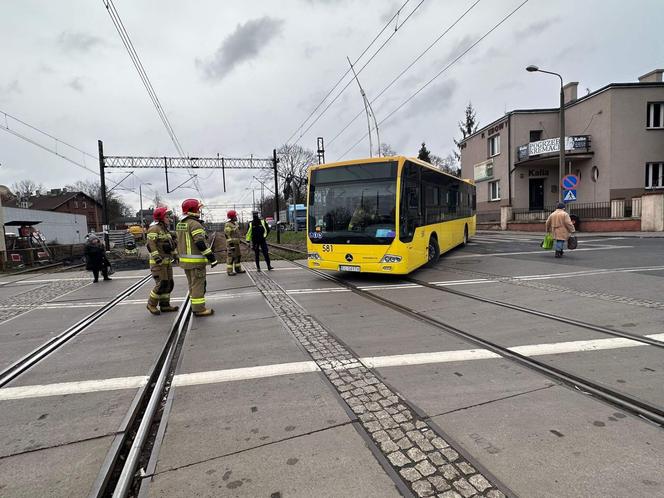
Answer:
(327, 247)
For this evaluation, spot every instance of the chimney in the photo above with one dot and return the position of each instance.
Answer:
(654, 76)
(569, 91)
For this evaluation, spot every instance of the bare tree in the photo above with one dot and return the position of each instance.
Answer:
(26, 188)
(386, 150)
(448, 164)
(157, 200)
(294, 161)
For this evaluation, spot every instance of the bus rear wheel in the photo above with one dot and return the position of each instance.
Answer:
(465, 236)
(433, 252)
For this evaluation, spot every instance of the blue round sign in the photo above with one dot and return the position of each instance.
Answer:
(569, 182)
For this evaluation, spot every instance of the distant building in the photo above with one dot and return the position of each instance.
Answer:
(62, 201)
(614, 144)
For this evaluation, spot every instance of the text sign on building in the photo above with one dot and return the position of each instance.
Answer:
(569, 182)
(551, 145)
(483, 170)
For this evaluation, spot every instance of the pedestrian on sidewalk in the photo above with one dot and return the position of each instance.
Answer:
(194, 254)
(161, 247)
(560, 225)
(256, 235)
(95, 258)
(232, 234)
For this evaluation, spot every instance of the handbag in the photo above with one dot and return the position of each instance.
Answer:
(110, 270)
(547, 243)
(572, 242)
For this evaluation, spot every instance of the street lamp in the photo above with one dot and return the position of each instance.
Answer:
(561, 146)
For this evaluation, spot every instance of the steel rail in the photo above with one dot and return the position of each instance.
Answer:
(30, 270)
(543, 314)
(41, 352)
(162, 368)
(623, 401)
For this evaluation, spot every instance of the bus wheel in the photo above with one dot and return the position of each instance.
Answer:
(433, 251)
(465, 236)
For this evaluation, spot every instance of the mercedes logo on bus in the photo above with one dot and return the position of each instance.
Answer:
(349, 257)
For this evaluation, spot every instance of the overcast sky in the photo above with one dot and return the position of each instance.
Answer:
(239, 78)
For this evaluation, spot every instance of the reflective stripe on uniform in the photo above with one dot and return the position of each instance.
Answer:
(165, 261)
(192, 258)
(152, 235)
(197, 300)
(154, 253)
(197, 231)
(207, 251)
(155, 296)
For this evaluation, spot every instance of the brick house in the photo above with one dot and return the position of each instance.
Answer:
(62, 201)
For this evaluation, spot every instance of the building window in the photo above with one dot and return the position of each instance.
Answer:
(535, 135)
(85, 205)
(494, 146)
(75, 204)
(655, 115)
(494, 190)
(654, 175)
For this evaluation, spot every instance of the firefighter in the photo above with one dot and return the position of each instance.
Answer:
(162, 254)
(194, 254)
(232, 233)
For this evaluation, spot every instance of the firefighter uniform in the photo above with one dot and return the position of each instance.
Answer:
(232, 234)
(162, 253)
(194, 256)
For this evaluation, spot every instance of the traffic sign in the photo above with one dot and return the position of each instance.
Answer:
(569, 182)
(570, 196)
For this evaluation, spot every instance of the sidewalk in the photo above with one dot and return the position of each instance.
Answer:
(581, 233)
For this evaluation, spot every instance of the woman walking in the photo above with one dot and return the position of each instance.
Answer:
(95, 258)
(560, 225)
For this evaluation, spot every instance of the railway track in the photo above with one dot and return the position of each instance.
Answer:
(643, 409)
(49, 347)
(58, 267)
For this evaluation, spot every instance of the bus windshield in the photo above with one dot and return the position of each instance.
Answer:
(353, 204)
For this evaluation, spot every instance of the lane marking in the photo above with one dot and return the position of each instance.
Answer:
(541, 251)
(65, 388)
(266, 371)
(235, 374)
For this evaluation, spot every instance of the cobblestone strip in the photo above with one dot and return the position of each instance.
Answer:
(428, 465)
(644, 303)
(25, 301)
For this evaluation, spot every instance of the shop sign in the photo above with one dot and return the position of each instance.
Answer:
(483, 171)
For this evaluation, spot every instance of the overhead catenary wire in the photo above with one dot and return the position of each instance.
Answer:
(441, 72)
(327, 107)
(407, 68)
(387, 24)
(133, 54)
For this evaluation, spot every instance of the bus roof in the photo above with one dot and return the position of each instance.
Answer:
(399, 159)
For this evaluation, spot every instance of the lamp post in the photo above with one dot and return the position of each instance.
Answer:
(561, 146)
(140, 197)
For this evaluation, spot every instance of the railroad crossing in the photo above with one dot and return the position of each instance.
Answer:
(500, 371)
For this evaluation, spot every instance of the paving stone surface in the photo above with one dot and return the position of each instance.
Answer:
(425, 461)
(29, 299)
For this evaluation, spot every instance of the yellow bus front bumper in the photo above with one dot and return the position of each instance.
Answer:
(390, 268)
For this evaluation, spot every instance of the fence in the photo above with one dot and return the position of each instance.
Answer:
(621, 208)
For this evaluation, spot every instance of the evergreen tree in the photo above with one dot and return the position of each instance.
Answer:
(467, 128)
(424, 153)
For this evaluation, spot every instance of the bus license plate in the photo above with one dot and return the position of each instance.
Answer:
(349, 268)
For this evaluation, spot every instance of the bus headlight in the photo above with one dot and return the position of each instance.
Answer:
(389, 258)
(313, 255)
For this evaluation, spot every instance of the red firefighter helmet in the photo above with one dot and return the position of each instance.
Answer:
(191, 206)
(161, 213)
(231, 214)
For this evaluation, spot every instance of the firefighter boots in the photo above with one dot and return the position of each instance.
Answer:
(153, 309)
(204, 312)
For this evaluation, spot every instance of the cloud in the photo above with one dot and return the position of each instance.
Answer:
(71, 42)
(244, 44)
(535, 28)
(76, 84)
(12, 87)
(434, 99)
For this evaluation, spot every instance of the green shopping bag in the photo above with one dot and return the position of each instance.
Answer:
(547, 243)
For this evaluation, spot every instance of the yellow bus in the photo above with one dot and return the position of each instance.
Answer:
(385, 215)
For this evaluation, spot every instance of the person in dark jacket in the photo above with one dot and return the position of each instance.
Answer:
(95, 258)
(256, 234)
